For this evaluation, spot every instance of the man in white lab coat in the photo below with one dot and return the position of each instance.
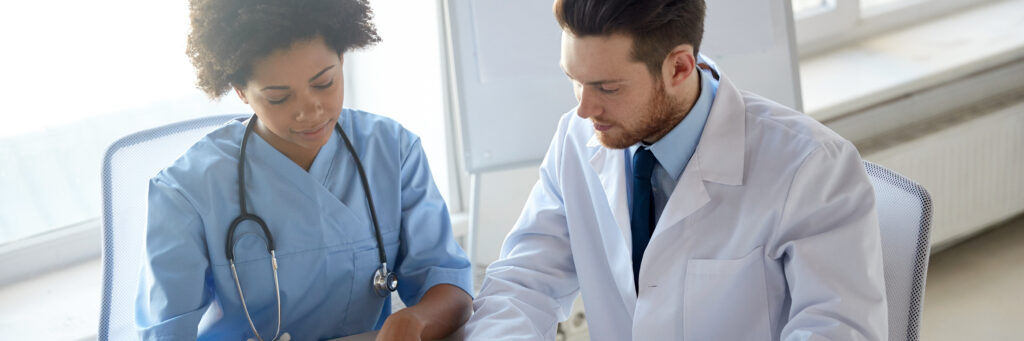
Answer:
(680, 207)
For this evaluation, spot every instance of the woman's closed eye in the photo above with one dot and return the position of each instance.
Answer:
(278, 101)
(325, 85)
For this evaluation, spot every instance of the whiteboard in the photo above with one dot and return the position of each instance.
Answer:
(508, 91)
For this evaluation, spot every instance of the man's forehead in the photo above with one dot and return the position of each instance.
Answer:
(595, 58)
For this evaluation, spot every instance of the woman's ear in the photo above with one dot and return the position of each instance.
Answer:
(241, 94)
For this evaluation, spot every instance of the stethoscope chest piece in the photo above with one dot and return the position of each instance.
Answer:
(384, 282)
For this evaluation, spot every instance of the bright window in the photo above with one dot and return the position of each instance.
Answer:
(77, 75)
(401, 78)
(824, 24)
(868, 5)
(804, 6)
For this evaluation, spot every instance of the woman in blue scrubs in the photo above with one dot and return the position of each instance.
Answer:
(284, 59)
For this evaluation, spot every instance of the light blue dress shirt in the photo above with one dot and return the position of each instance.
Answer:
(321, 227)
(673, 151)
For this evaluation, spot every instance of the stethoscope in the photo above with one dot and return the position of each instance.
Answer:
(384, 282)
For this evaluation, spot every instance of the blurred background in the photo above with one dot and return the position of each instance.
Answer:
(933, 89)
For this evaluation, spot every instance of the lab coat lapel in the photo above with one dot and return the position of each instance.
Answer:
(718, 158)
(610, 166)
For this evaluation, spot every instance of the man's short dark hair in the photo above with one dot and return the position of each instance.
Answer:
(656, 26)
(228, 36)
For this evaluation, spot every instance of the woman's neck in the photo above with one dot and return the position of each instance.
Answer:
(301, 156)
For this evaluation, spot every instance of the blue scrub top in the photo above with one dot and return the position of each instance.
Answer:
(322, 232)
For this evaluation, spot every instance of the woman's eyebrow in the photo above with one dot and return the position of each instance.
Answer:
(284, 87)
(320, 73)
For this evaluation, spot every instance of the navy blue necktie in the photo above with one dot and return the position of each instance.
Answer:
(642, 214)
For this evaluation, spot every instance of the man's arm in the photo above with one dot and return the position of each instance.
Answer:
(830, 244)
(533, 284)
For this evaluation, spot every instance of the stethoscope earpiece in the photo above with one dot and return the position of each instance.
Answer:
(384, 282)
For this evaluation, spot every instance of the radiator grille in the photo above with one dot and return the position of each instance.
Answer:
(974, 171)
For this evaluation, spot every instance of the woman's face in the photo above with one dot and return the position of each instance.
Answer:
(297, 93)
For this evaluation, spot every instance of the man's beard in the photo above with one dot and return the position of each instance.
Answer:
(657, 119)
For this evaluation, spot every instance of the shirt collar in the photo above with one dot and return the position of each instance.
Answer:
(675, 149)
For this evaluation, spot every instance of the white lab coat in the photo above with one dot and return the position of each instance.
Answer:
(770, 234)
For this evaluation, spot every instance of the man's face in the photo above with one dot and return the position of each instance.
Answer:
(619, 95)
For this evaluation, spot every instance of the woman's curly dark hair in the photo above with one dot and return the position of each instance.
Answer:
(229, 35)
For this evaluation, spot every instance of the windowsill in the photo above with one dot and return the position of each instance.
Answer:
(60, 305)
(890, 66)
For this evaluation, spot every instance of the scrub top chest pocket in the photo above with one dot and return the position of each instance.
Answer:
(310, 276)
(367, 306)
(714, 288)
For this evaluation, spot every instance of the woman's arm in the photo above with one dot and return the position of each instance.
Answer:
(434, 274)
(173, 292)
(442, 311)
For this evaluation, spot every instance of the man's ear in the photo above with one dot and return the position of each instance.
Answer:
(679, 65)
(241, 94)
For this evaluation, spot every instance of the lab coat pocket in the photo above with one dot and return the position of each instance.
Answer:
(726, 299)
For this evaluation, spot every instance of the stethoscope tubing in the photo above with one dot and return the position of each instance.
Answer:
(366, 189)
(384, 281)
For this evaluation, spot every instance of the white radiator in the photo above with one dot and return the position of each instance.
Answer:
(974, 171)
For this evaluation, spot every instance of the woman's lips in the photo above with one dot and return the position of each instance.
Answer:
(315, 131)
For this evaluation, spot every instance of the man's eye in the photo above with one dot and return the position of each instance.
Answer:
(608, 91)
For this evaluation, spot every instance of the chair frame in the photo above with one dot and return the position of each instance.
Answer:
(108, 224)
(923, 241)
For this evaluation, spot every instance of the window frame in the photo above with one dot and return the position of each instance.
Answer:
(819, 30)
(34, 255)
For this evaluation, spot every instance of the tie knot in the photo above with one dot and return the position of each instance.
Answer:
(643, 163)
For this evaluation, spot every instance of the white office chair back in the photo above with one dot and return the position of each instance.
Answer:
(905, 217)
(127, 167)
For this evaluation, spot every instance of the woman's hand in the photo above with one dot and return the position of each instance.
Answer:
(401, 326)
(441, 311)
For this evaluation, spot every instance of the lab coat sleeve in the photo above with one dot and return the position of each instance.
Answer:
(428, 254)
(533, 283)
(174, 290)
(831, 250)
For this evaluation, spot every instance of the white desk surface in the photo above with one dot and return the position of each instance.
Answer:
(369, 336)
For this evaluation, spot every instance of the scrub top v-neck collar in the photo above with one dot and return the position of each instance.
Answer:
(262, 152)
